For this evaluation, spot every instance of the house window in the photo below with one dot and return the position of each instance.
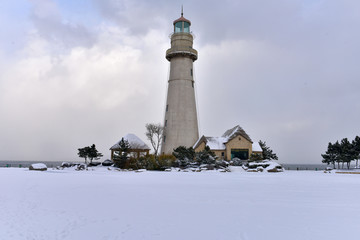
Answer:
(222, 154)
(242, 154)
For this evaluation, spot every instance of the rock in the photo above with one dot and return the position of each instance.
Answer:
(80, 167)
(66, 165)
(38, 167)
(275, 169)
(260, 169)
(107, 162)
(236, 162)
(94, 164)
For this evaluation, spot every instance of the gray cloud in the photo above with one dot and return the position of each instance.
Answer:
(50, 25)
(286, 71)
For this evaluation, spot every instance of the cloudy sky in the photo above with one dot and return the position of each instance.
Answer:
(73, 73)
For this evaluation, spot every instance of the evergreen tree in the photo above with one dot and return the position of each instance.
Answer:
(347, 152)
(83, 153)
(336, 148)
(256, 157)
(356, 147)
(93, 153)
(121, 157)
(330, 155)
(267, 152)
(89, 153)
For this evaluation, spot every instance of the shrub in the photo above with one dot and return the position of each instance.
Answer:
(205, 156)
(256, 157)
(236, 162)
(221, 163)
(184, 156)
(169, 157)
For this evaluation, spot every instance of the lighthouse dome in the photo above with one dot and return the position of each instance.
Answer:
(182, 25)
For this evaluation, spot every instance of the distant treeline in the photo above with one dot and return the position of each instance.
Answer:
(343, 152)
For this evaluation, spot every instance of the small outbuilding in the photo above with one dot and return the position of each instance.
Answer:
(235, 142)
(137, 147)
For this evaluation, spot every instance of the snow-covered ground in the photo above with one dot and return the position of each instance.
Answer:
(102, 204)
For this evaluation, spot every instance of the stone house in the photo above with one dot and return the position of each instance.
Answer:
(235, 142)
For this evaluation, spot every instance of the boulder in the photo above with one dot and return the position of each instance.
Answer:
(94, 164)
(107, 162)
(260, 169)
(80, 167)
(236, 162)
(38, 167)
(66, 165)
(275, 169)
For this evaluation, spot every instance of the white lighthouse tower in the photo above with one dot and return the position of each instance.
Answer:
(180, 123)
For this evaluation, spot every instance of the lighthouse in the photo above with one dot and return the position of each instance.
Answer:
(180, 122)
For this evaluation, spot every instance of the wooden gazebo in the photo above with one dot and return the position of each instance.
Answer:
(137, 146)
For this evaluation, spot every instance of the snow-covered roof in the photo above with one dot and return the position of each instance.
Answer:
(134, 141)
(234, 132)
(256, 147)
(214, 143)
(218, 143)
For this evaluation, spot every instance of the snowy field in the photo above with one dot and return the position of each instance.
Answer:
(102, 204)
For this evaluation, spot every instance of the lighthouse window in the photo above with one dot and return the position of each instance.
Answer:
(164, 138)
(186, 27)
(167, 107)
(192, 83)
(191, 72)
(178, 27)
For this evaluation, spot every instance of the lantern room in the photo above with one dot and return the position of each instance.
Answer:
(182, 25)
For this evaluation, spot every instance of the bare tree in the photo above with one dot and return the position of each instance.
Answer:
(154, 132)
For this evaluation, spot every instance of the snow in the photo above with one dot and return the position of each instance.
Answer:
(230, 132)
(134, 141)
(235, 131)
(216, 143)
(38, 166)
(103, 204)
(256, 147)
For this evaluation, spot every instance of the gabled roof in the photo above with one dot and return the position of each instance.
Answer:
(214, 143)
(234, 132)
(218, 143)
(134, 142)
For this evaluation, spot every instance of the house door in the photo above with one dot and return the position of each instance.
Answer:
(242, 154)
